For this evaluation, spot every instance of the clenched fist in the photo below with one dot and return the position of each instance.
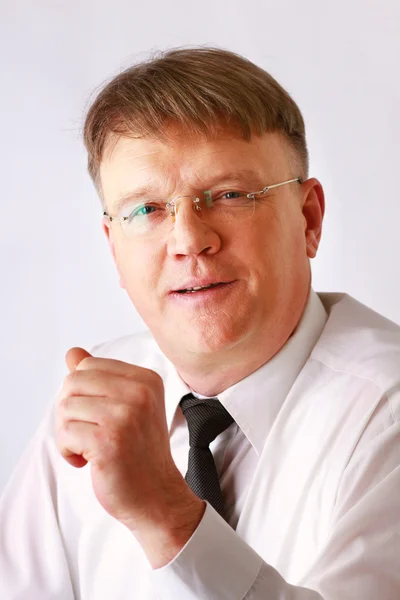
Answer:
(112, 415)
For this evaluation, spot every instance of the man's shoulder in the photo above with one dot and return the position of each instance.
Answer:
(359, 340)
(346, 305)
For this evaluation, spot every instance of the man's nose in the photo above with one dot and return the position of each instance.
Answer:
(191, 233)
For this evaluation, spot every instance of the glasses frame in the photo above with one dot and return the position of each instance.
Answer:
(171, 204)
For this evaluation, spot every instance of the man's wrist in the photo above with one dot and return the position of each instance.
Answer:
(168, 524)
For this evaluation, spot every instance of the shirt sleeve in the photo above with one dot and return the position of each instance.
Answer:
(360, 557)
(32, 560)
(218, 565)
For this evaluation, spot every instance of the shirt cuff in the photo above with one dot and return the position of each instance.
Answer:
(215, 563)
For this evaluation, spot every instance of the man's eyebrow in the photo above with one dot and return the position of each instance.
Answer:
(244, 176)
(247, 176)
(142, 192)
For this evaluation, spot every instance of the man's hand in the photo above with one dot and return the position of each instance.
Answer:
(112, 415)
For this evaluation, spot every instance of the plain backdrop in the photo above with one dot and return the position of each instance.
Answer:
(339, 60)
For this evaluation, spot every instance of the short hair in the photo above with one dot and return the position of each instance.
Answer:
(199, 89)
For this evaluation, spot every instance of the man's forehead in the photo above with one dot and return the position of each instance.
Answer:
(189, 151)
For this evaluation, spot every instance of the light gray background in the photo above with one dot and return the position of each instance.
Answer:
(340, 61)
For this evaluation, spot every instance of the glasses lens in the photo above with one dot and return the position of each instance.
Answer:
(144, 218)
(155, 217)
(227, 206)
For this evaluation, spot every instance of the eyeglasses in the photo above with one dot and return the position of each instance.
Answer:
(151, 218)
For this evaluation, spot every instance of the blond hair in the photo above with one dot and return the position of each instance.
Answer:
(200, 89)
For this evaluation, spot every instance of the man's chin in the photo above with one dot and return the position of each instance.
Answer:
(209, 340)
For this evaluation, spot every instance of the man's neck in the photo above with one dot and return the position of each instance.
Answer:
(211, 375)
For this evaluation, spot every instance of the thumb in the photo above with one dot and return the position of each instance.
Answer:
(74, 357)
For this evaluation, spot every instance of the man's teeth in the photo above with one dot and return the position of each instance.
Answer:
(196, 289)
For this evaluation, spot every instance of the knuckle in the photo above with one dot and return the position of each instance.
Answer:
(64, 404)
(143, 397)
(142, 391)
(62, 434)
(155, 378)
(108, 442)
(64, 427)
(69, 383)
(158, 380)
(99, 437)
(89, 362)
(123, 412)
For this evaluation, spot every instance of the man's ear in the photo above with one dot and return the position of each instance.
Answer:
(107, 230)
(313, 213)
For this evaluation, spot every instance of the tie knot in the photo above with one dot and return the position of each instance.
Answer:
(206, 418)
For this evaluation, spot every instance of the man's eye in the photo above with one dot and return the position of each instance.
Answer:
(142, 211)
(145, 210)
(232, 195)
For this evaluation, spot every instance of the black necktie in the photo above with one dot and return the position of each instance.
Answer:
(206, 418)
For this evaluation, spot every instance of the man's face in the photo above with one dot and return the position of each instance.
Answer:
(266, 257)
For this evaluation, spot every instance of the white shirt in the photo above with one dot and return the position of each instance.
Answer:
(310, 471)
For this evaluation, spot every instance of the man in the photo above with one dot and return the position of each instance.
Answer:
(247, 445)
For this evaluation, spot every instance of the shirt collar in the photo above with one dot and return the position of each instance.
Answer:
(254, 401)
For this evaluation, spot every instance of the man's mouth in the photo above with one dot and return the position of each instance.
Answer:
(197, 289)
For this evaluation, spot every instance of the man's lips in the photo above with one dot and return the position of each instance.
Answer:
(199, 284)
(208, 294)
